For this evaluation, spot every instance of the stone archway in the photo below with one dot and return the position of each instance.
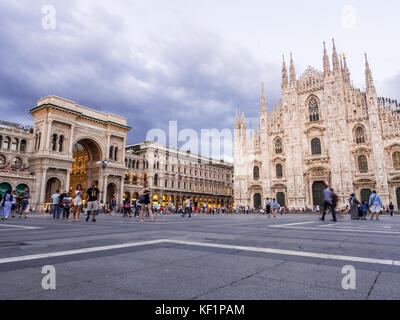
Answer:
(52, 185)
(318, 193)
(111, 193)
(85, 170)
(257, 201)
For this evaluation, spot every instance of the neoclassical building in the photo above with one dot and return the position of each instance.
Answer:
(175, 175)
(67, 142)
(323, 132)
(63, 149)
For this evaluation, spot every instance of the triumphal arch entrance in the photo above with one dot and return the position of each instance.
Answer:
(69, 141)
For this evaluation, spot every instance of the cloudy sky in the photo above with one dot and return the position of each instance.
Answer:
(191, 61)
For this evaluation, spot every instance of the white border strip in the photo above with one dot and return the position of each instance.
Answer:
(203, 244)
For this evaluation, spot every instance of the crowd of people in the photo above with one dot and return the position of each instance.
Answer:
(12, 202)
(70, 206)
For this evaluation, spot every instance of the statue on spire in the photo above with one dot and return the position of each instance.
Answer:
(263, 100)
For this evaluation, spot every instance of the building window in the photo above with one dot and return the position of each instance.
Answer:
(279, 171)
(6, 143)
(363, 163)
(17, 162)
(61, 143)
(22, 146)
(166, 183)
(14, 145)
(316, 147)
(116, 154)
(278, 147)
(54, 142)
(256, 173)
(2, 160)
(155, 180)
(396, 160)
(314, 110)
(360, 135)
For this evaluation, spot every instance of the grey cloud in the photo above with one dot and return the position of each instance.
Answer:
(191, 75)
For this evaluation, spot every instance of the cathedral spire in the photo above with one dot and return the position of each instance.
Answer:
(335, 58)
(292, 72)
(327, 66)
(369, 80)
(285, 80)
(346, 69)
(263, 100)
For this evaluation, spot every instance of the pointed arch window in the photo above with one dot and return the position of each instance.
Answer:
(316, 148)
(360, 135)
(278, 146)
(313, 108)
(279, 171)
(363, 163)
(396, 160)
(256, 173)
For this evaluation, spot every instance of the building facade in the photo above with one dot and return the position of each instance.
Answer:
(68, 142)
(324, 132)
(175, 176)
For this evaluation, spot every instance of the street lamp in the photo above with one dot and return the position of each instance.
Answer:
(180, 176)
(104, 165)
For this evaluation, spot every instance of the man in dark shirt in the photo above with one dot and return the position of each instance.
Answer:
(92, 201)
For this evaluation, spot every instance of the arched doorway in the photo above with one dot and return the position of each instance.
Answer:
(318, 193)
(365, 195)
(257, 201)
(21, 188)
(398, 198)
(4, 187)
(53, 184)
(111, 193)
(85, 170)
(280, 197)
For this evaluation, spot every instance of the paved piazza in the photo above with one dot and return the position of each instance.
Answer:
(206, 257)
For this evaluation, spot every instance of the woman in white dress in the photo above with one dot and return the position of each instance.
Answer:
(6, 204)
(78, 202)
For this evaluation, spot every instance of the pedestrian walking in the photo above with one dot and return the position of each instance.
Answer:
(66, 202)
(56, 204)
(375, 204)
(354, 204)
(127, 208)
(144, 199)
(364, 210)
(391, 208)
(268, 207)
(6, 204)
(187, 208)
(78, 201)
(275, 207)
(92, 195)
(24, 203)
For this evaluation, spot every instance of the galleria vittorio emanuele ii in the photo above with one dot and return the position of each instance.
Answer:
(324, 132)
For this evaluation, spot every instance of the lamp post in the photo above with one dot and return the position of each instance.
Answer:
(180, 176)
(104, 165)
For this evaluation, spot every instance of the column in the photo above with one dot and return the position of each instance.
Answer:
(42, 194)
(71, 140)
(121, 193)
(105, 182)
(48, 136)
(67, 182)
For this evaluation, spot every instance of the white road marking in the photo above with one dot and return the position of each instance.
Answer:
(78, 251)
(291, 224)
(345, 229)
(20, 227)
(202, 244)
